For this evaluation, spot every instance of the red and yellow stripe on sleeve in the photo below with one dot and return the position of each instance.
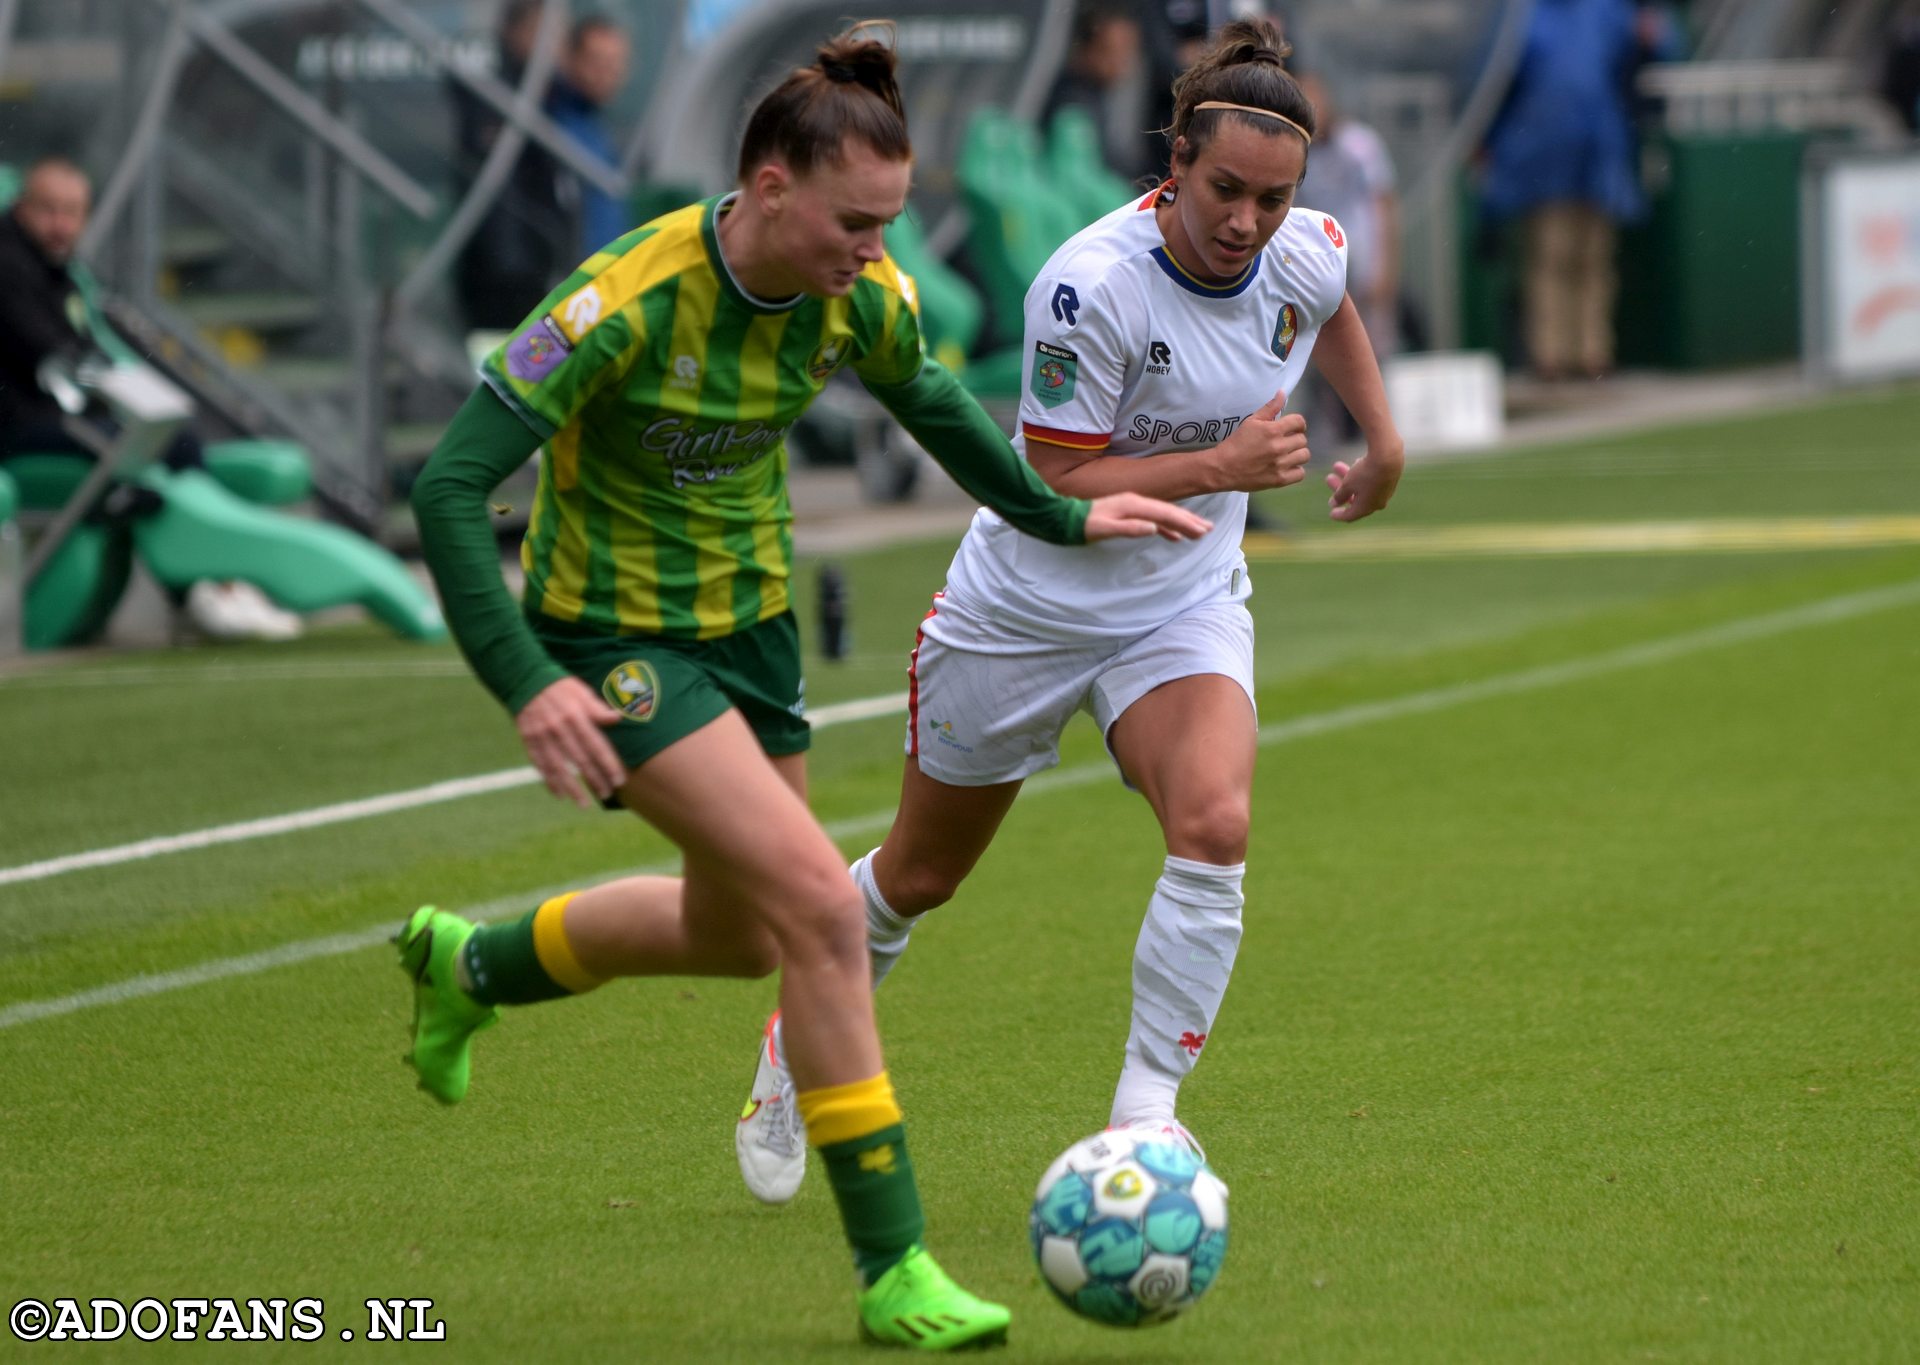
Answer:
(1072, 440)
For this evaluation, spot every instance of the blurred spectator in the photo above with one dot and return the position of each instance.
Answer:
(1104, 76)
(1350, 175)
(45, 323)
(591, 75)
(526, 242)
(1560, 162)
(1900, 80)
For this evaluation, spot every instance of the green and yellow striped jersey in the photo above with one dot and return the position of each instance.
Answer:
(664, 392)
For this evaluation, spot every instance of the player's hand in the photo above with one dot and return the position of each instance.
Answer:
(1268, 450)
(561, 728)
(1136, 514)
(1364, 487)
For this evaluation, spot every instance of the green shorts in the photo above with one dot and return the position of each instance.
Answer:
(667, 688)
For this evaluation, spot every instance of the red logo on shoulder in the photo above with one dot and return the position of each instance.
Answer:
(1334, 234)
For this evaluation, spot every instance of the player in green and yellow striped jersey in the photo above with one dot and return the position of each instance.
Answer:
(653, 657)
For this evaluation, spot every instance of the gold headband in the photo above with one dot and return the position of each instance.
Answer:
(1250, 109)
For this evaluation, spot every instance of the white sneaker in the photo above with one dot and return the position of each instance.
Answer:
(238, 611)
(770, 1140)
(1172, 1130)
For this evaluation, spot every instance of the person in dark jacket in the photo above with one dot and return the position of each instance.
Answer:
(526, 242)
(45, 322)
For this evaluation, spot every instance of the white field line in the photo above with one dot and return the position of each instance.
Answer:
(1763, 627)
(1731, 535)
(455, 789)
(313, 670)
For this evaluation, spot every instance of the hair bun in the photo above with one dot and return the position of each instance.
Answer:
(838, 71)
(1266, 54)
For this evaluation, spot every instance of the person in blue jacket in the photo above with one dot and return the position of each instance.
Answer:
(1560, 164)
(592, 71)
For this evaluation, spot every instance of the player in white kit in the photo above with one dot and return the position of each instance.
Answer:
(1164, 339)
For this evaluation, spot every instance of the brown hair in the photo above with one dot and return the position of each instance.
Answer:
(848, 92)
(1245, 66)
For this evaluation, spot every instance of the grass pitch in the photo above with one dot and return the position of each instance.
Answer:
(1576, 1018)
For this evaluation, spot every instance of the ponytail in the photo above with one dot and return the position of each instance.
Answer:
(849, 91)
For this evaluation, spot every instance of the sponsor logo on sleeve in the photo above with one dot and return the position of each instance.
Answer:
(580, 311)
(1334, 235)
(537, 351)
(1066, 305)
(1054, 370)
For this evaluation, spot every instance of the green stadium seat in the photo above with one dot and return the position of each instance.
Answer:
(950, 308)
(9, 497)
(1079, 170)
(1017, 217)
(73, 596)
(204, 531)
(266, 472)
(45, 482)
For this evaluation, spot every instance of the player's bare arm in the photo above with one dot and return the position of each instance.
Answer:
(1345, 357)
(1267, 450)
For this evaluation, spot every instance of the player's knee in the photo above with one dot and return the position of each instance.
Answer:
(1213, 830)
(821, 917)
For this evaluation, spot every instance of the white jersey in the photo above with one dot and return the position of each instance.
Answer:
(1132, 356)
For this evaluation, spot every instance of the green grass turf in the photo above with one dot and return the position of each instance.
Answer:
(1574, 1024)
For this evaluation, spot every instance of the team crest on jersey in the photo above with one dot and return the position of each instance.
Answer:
(537, 352)
(1285, 331)
(831, 354)
(633, 689)
(1054, 370)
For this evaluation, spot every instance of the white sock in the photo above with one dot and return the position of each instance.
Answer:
(886, 935)
(1181, 963)
(886, 931)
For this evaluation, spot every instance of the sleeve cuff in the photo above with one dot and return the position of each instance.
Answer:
(1072, 440)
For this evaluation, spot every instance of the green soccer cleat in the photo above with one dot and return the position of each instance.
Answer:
(445, 1018)
(917, 1306)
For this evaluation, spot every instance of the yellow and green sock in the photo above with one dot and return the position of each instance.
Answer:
(526, 960)
(858, 1132)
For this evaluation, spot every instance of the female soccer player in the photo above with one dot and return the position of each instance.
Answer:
(653, 657)
(1164, 340)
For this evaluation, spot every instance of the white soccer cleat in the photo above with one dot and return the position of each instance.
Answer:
(1169, 1130)
(770, 1140)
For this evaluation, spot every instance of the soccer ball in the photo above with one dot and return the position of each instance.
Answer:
(1129, 1228)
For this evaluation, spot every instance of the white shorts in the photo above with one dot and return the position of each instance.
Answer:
(987, 702)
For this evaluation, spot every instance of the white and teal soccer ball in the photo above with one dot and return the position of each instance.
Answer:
(1129, 1228)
